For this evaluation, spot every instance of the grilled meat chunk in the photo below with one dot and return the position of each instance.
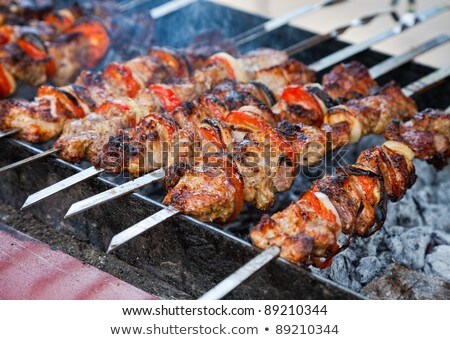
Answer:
(348, 81)
(427, 134)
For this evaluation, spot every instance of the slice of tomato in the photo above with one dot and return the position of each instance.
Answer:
(5, 34)
(247, 121)
(238, 184)
(168, 97)
(219, 59)
(107, 108)
(7, 83)
(298, 95)
(207, 134)
(38, 53)
(64, 100)
(62, 19)
(97, 36)
(116, 74)
(171, 59)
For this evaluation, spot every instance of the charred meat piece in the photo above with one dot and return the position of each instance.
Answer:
(348, 81)
(427, 134)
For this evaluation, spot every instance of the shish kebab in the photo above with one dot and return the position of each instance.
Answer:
(27, 57)
(196, 192)
(52, 49)
(339, 57)
(309, 230)
(298, 104)
(421, 17)
(41, 59)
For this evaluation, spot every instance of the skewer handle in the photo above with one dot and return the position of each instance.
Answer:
(125, 6)
(242, 274)
(407, 21)
(60, 186)
(170, 7)
(318, 39)
(427, 82)
(277, 22)
(397, 61)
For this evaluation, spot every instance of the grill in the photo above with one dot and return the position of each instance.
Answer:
(182, 257)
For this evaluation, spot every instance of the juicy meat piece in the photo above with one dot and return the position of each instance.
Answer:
(373, 113)
(289, 73)
(69, 53)
(206, 193)
(36, 121)
(348, 81)
(83, 139)
(308, 142)
(427, 134)
(307, 221)
(21, 65)
(262, 58)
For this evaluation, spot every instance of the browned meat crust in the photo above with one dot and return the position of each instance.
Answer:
(348, 81)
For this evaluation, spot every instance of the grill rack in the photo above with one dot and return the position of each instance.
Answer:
(190, 255)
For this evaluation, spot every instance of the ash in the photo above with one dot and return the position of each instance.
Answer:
(416, 235)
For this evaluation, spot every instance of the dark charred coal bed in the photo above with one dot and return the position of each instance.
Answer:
(183, 258)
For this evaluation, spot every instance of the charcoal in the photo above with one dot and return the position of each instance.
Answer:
(409, 248)
(438, 216)
(343, 271)
(438, 262)
(403, 283)
(369, 267)
(439, 237)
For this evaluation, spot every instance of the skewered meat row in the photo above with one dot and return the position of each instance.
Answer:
(52, 48)
(74, 146)
(151, 145)
(267, 158)
(118, 81)
(353, 202)
(29, 57)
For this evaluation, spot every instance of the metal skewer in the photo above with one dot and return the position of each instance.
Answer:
(157, 12)
(141, 227)
(28, 160)
(282, 20)
(250, 268)
(242, 274)
(116, 192)
(170, 7)
(93, 201)
(406, 22)
(62, 185)
(320, 38)
(9, 133)
(152, 221)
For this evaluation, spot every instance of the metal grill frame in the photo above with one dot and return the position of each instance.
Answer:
(189, 255)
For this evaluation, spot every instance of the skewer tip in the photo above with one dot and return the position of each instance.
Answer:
(73, 210)
(28, 203)
(111, 247)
